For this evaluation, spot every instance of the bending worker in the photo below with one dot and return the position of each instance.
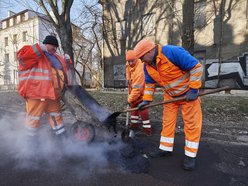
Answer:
(179, 74)
(41, 80)
(136, 84)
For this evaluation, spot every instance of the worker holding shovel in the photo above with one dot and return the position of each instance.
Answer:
(136, 84)
(179, 74)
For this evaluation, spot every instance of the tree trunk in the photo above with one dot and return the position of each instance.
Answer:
(188, 26)
(64, 31)
(61, 21)
(221, 17)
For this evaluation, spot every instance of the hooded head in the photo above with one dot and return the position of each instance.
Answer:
(52, 40)
(131, 57)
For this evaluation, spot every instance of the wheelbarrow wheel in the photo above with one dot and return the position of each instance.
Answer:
(82, 132)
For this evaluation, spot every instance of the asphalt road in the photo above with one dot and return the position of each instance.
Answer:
(103, 163)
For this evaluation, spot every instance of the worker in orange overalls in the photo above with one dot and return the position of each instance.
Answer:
(136, 84)
(179, 74)
(42, 75)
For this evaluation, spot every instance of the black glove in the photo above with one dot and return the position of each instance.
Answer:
(142, 104)
(192, 94)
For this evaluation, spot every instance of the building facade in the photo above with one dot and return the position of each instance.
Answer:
(27, 28)
(24, 28)
(223, 41)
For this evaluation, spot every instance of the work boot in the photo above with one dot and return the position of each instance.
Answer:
(189, 163)
(160, 153)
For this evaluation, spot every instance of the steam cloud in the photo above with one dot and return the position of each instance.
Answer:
(50, 153)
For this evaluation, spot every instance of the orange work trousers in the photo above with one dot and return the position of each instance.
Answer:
(192, 118)
(140, 115)
(36, 107)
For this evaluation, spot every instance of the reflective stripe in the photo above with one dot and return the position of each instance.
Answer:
(135, 117)
(33, 118)
(20, 61)
(190, 154)
(162, 147)
(58, 127)
(179, 90)
(34, 70)
(195, 78)
(191, 144)
(146, 122)
(54, 113)
(196, 70)
(167, 140)
(135, 121)
(60, 131)
(35, 78)
(147, 126)
(37, 52)
(150, 86)
(148, 92)
(137, 86)
(177, 82)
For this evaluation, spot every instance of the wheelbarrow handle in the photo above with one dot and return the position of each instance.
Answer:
(178, 99)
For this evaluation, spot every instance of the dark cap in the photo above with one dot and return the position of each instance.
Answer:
(51, 40)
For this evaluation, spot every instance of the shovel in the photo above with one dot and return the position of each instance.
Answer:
(116, 114)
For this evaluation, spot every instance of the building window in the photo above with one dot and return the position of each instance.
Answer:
(24, 36)
(6, 58)
(6, 42)
(15, 39)
(22, 17)
(6, 73)
(7, 23)
(14, 20)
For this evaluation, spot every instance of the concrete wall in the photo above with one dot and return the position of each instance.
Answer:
(161, 21)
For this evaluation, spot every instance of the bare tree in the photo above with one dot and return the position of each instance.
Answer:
(60, 20)
(188, 26)
(90, 58)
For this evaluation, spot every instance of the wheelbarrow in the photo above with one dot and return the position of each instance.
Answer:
(90, 114)
(87, 112)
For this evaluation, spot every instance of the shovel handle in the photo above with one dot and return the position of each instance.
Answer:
(179, 99)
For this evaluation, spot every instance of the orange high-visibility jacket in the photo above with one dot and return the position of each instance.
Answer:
(175, 77)
(136, 81)
(36, 74)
